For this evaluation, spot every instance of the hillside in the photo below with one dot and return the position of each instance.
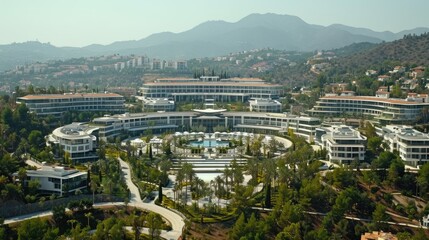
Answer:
(29, 52)
(212, 38)
(410, 50)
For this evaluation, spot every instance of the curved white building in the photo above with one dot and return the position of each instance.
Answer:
(385, 110)
(77, 140)
(254, 122)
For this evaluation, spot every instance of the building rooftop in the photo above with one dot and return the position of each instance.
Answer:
(246, 79)
(342, 132)
(220, 83)
(74, 130)
(405, 132)
(69, 95)
(264, 102)
(374, 99)
(55, 171)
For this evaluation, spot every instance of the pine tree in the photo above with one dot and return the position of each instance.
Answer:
(268, 196)
(160, 192)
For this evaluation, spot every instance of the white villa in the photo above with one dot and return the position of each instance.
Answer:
(58, 180)
(412, 145)
(343, 143)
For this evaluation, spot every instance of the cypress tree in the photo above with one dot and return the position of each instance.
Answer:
(160, 192)
(268, 196)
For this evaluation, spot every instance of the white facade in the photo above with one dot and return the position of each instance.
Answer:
(412, 145)
(265, 105)
(274, 123)
(58, 180)
(190, 89)
(385, 110)
(157, 104)
(77, 140)
(57, 104)
(343, 144)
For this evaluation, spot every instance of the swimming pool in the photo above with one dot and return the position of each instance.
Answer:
(209, 143)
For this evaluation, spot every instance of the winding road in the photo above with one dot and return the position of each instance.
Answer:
(176, 221)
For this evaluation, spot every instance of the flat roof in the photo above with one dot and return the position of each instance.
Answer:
(176, 79)
(374, 99)
(246, 79)
(49, 171)
(65, 96)
(217, 83)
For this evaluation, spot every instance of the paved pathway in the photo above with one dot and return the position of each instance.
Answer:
(352, 218)
(177, 222)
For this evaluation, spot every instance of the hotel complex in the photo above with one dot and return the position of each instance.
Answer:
(57, 104)
(384, 110)
(343, 144)
(211, 87)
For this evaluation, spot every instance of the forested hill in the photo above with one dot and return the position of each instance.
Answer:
(410, 50)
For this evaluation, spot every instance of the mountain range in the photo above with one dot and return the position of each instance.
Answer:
(212, 38)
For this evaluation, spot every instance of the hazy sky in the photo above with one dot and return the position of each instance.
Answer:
(83, 22)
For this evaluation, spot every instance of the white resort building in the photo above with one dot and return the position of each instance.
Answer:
(265, 105)
(381, 108)
(343, 143)
(157, 104)
(75, 140)
(212, 87)
(412, 145)
(57, 104)
(252, 122)
(58, 180)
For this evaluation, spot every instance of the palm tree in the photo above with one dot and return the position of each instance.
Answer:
(94, 187)
(88, 216)
(189, 174)
(72, 222)
(252, 168)
(227, 174)
(219, 190)
(180, 177)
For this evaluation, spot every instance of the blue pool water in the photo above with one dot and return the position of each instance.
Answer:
(209, 143)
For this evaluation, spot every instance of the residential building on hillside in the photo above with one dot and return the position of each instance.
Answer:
(57, 104)
(384, 110)
(412, 145)
(76, 141)
(383, 78)
(57, 180)
(417, 72)
(212, 87)
(342, 143)
(370, 72)
(378, 235)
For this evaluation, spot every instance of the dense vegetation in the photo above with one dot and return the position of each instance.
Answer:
(306, 203)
